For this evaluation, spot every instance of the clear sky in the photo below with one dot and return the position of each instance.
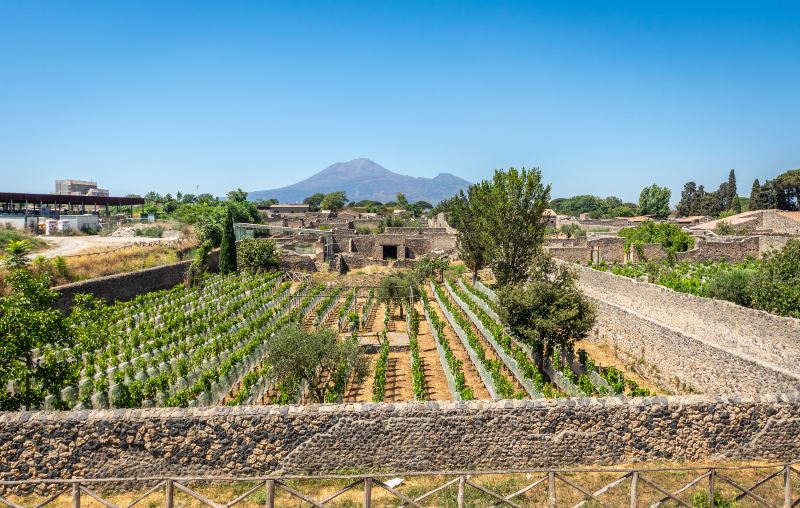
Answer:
(606, 97)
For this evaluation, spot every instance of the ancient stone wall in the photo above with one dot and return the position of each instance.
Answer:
(397, 437)
(126, 286)
(737, 346)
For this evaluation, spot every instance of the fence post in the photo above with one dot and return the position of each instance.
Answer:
(551, 489)
(367, 492)
(270, 493)
(787, 487)
(76, 495)
(461, 491)
(169, 502)
(711, 488)
(635, 489)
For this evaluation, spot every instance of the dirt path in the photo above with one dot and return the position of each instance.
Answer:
(435, 380)
(470, 373)
(71, 245)
(362, 392)
(399, 385)
(603, 355)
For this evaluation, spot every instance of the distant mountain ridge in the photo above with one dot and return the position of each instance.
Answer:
(364, 179)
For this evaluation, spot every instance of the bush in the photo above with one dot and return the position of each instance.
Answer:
(775, 287)
(731, 285)
(151, 231)
(673, 238)
(257, 255)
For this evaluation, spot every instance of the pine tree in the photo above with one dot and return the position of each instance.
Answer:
(732, 193)
(227, 249)
(755, 196)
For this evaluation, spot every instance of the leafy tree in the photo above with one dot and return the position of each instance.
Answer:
(731, 285)
(787, 190)
(511, 207)
(227, 248)
(736, 206)
(427, 268)
(570, 230)
(153, 197)
(547, 311)
(654, 201)
(732, 192)
(257, 255)
(313, 201)
(189, 198)
(686, 206)
(755, 196)
(775, 287)
(402, 201)
(199, 265)
(17, 254)
(28, 322)
(420, 206)
(297, 357)
(398, 289)
(465, 216)
(333, 201)
(237, 195)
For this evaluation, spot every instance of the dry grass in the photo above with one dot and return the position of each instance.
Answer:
(505, 484)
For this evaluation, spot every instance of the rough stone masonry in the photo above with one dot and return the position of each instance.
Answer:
(327, 438)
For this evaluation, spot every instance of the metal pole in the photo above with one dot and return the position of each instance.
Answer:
(551, 489)
(461, 480)
(367, 492)
(635, 489)
(76, 495)
(270, 493)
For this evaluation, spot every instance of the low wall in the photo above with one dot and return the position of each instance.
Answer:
(738, 346)
(126, 286)
(397, 437)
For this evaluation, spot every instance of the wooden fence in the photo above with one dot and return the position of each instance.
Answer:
(773, 482)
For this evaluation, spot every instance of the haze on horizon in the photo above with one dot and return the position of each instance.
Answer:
(604, 97)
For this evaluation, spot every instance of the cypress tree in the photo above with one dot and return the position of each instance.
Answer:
(755, 196)
(731, 189)
(227, 249)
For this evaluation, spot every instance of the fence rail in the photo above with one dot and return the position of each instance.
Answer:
(551, 483)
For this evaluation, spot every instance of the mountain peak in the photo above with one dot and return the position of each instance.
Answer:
(363, 178)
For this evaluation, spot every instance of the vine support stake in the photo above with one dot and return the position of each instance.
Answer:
(551, 489)
(635, 489)
(461, 481)
(76, 495)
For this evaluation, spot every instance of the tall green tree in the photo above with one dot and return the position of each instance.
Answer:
(787, 190)
(402, 201)
(686, 206)
(28, 323)
(755, 196)
(313, 201)
(471, 240)
(227, 248)
(732, 191)
(333, 201)
(775, 287)
(397, 289)
(512, 206)
(654, 200)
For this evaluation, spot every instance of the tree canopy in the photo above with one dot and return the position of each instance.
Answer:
(654, 201)
(333, 201)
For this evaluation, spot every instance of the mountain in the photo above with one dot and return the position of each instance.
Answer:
(364, 179)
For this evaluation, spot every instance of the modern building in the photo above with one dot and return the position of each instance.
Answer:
(79, 188)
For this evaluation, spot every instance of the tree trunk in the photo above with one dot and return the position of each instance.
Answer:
(28, 367)
(474, 276)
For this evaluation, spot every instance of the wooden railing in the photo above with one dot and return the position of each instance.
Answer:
(774, 481)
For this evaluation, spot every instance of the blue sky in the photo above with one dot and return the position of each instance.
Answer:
(605, 97)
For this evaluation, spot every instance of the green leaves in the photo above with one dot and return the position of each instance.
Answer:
(654, 201)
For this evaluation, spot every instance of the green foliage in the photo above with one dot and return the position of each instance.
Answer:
(28, 323)
(313, 201)
(654, 201)
(787, 190)
(379, 383)
(595, 206)
(199, 265)
(427, 268)
(417, 371)
(333, 201)
(151, 231)
(700, 500)
(775, 287)
(298, 357)
(396, 289)
(364, 230)
(465, 213)
(548, 311)
(570, 230)
(257, 255)
(731, 285)
(454, 364)
(16, 254)
(673, 238)
(227, 248)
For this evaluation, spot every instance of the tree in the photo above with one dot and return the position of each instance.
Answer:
(511, 208)
(673, 238)
(426, 268)
(17, 254)
(755, 196)
(775, 287)
(313, 201)
(686, 206)
(654, 201)
(787, 190)
(199, 265)
(27, 323)
(402, 201)
(153, 197)
(227, 248)
(297, 357)
(732, 192)
(237, 195)
(334, 201)
(398, 289)
(471, 241)
(547, 311)
(257, 255)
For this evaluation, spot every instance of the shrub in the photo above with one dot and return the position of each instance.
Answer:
(151, 231)
(673, 238)
(731, 285)
(775, 287)
(257, 255)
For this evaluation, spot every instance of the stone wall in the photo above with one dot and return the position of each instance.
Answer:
(711, 345)
(397, 437)
(126, 286)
